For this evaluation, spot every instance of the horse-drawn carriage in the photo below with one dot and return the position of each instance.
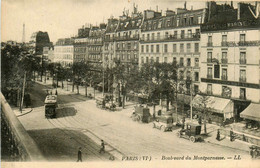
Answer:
(141, 114)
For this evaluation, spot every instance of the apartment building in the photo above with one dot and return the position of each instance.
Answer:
(174, 37)
(230, 61)
(109, 46)
(127, 38)
(95, 45)
(64, 52)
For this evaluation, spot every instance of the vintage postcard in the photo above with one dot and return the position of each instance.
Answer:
(130, 83)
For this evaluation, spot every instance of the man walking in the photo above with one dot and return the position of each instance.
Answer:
(79, 155)
(102, 149)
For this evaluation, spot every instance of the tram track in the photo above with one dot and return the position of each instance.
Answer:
(64, 124)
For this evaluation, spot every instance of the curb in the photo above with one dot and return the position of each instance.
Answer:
(226, 146)
(24, 113)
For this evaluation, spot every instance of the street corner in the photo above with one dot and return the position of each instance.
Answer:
(24, 111)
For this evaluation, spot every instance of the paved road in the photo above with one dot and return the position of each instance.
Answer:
(79, 118)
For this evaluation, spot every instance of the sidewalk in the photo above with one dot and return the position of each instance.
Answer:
(18, 113)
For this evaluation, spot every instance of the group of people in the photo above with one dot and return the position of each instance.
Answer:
(102, 150)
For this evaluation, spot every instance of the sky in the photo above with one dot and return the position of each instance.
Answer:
(62, 18)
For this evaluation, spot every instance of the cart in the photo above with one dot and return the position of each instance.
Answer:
(163, 123)
(141, 114)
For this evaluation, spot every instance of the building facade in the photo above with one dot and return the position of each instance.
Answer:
(127, 38)
(64, 52)
(174, 37)
(231, 57)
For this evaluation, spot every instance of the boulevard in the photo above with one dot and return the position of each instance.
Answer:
(79, 121)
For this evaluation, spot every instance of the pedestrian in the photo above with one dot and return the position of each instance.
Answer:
(102, 149)
(231, 134)
(218, 135)
(79, 155)
(200, 121)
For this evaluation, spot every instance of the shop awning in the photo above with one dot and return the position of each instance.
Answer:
(252, 112)
(214, 104)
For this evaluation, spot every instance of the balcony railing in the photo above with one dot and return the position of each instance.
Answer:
(242, 79)
(209, 92)
(224, 77)
(225, 95)
(242, 61)
(209, 76)
(134, 37)
(174, 37)
(209, 44)
(248, 43)
(224, 61)
(224, 44)
(181, 64)
(209, 60)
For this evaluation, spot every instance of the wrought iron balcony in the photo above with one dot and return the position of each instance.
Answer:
(242, 61)
(122, 38)
(209, 44)
(209, 92)
(173, 37)
(224, 44)
(209, 76)
(224, 77)
(248, 43)
(242, 79)
(209, 60)
(224, 61)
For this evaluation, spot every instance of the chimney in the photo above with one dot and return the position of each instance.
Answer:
(238, 11)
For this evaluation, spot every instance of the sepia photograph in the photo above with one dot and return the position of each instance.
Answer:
(130, 83)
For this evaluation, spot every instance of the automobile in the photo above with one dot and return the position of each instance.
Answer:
(50, 105)
(191, 131)
(163, 123)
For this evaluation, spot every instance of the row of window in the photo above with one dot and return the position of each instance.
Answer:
(180, 63)
(242, 38)
(127, 45)
(224, 76)
(174, 48)
(227, 91)
(224, 57)
(158, 35)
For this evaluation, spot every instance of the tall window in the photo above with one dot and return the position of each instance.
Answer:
(182, 33)
(181, 47)
(147, 59)
(224, 38)
(224, 74)
(148, 36)
(143, 37)
(165, 48)
(151, 48)
(242, 77)
(242, 58)
(242, 38)
(175, 34)
(224, 58)
(210, 41)
(128, 46)
(142, 48)
(209, 89)
(242, 93)
(226, 91)
(196, 47)
(209, 57)
(188, 62)
(216, 71)
(196, 76)
(189, 33)
(152, 36)
(188, 47)
(157, 59)
(199, 20)
(174, 48)
(181, 61)
(158, 36)
(174, 60)
(147, 48)
(157, 48)
(209, 75)
(196, 62)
